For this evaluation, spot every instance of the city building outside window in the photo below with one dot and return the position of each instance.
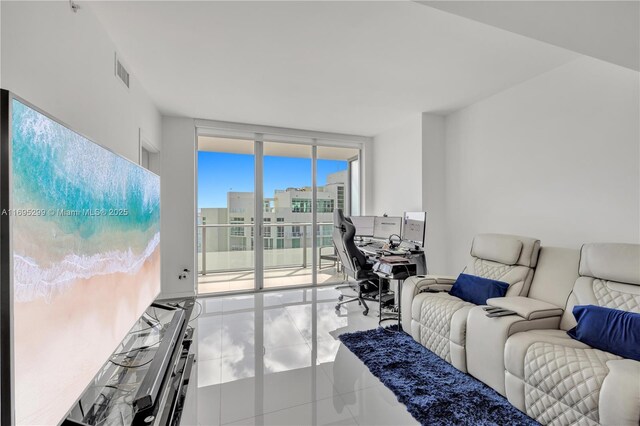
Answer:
(237, 231)
(303, 205)
(267, 228)
(341, 197)
(280, 229)
(325, 206)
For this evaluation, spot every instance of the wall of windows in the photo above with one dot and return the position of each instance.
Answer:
(296, 187)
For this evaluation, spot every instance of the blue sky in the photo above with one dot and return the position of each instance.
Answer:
(219, 173)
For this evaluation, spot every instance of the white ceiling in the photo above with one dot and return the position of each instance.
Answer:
(607, 30)
(347, 67)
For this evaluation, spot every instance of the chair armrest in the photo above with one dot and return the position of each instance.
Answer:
(526, 307)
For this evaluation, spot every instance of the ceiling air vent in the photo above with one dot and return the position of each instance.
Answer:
(121, 72)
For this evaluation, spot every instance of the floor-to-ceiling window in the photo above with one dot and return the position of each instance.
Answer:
(225, 214)
(335, 190)
(287, 215)
(265, 210)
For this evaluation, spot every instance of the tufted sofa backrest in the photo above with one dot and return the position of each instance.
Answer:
(507, 258)
(609, 277)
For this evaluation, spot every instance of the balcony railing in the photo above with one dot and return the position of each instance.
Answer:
(230, 250)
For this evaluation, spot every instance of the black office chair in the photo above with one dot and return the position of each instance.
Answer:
(354, 263)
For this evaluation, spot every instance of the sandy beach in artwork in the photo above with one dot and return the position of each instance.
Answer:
(50, 367)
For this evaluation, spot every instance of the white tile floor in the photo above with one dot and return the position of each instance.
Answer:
(274, 359)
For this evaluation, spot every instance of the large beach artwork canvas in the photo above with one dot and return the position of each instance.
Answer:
(86, 259)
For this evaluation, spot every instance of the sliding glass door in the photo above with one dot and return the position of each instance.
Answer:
(334, 191)
(226, 200)
(265, 212)
(287, 215)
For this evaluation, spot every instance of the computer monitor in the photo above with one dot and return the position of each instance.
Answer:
(383, 227)
(414, 227)
(364, 225)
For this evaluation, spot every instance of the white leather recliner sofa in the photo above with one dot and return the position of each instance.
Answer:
(438, 320)
(561, 381)
(556, 273)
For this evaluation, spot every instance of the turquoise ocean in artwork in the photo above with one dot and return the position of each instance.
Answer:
(98, 212)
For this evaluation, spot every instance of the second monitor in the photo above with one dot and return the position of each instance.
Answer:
(383, 227)
(364, 225)
(414, 227)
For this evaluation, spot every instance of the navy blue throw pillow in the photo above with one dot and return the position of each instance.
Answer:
(611, 330)
(477, 289)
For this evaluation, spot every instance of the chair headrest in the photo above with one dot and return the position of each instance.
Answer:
(506, 249)
(611, 261)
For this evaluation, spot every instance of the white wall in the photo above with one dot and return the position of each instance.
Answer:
(63, 63)
(178, 165)
(433, 191)
(407, 174)
(556, 157)
(366, 178)
(396, 170)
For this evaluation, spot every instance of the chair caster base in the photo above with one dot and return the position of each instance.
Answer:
(365, 312)
(340, 298)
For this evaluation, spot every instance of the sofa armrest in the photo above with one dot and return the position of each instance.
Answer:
(417, 284)
(620, 393)
(487, 337)
(526, 307)
(433, 282)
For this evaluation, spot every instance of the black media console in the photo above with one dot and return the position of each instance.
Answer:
(146, 380)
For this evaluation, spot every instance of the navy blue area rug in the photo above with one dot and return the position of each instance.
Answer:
(435, 392)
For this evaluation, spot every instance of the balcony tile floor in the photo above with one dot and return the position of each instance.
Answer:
(244, 280)
(274, 359)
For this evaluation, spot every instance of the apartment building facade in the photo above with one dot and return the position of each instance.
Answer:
(287, 217)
